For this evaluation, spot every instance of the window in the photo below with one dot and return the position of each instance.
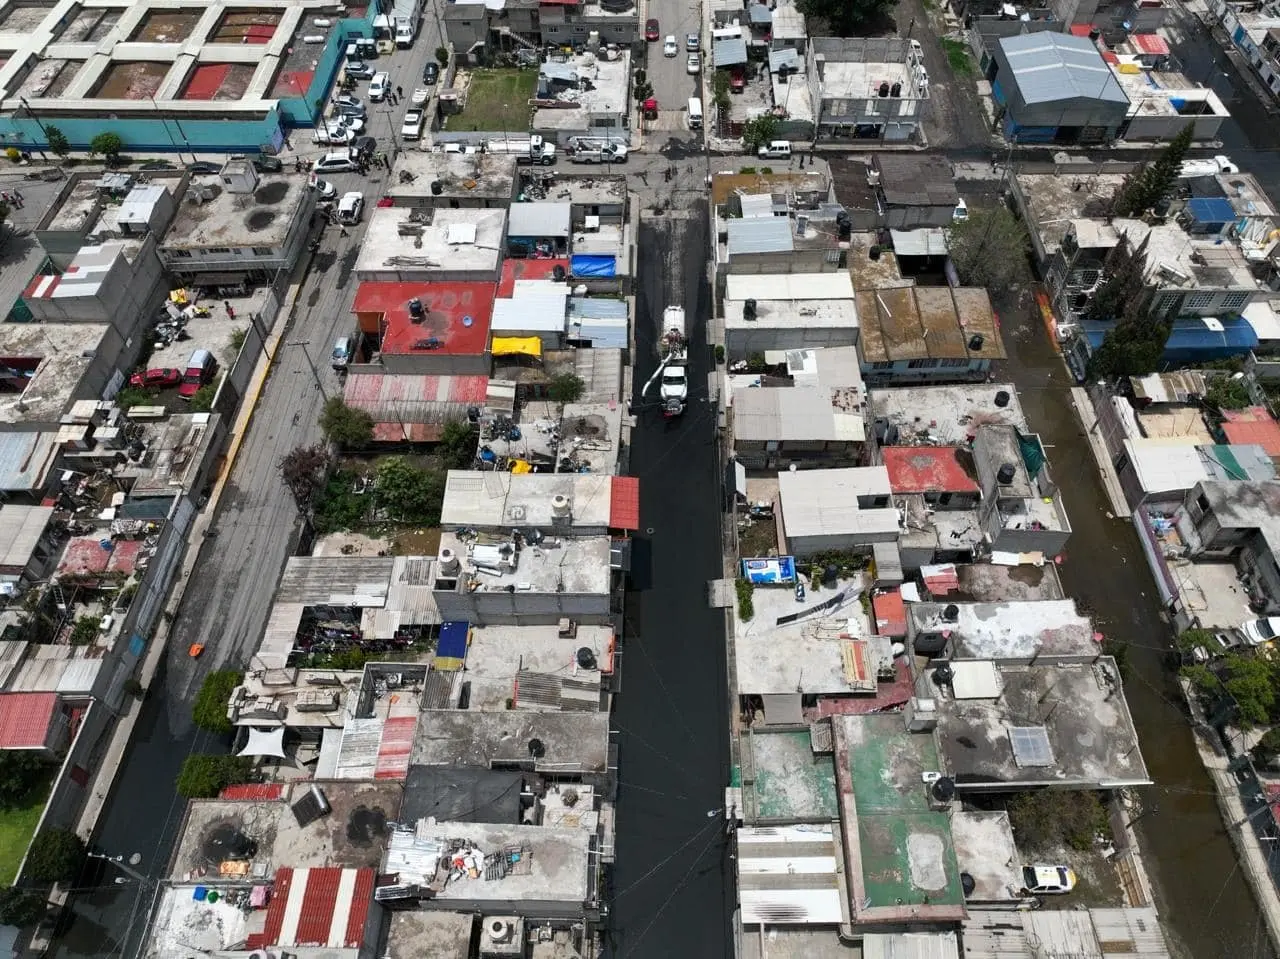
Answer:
(922, 364)
(218, 249)
(1203, 502)
(954, 364)
(1199, 301)
(886, 365)
(185, 254)
(1235, 301)
(262, 251)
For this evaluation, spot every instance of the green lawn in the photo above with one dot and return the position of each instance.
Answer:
(958, 56)
(17, 826)
(498, 101)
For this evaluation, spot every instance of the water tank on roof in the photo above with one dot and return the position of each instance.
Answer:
(1005, 474)
(950, 613)
(436, 187)
(558, 274)
(895, 90)
(586, 658)
(1002, 399)
(537, 749)
(967, 883)
(944, 789)
(943, 675)
(975, 342)
(884, 88)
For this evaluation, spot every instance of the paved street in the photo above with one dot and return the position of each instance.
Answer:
(672, 84)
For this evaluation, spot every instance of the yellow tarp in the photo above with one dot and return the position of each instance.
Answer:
(520, 467)
(524, 345)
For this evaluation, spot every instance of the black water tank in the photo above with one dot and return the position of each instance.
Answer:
(884, 88)
(944, 789)
(950, 613)
(830, 576)
(748, 309)
(1002, 399)
(975, 342)
(586, 658)
(464, 696)
(895, 90)
(967, 883)
(436, 187)
(558, 274)
(537, 749)
(943, 675)
(1005, 474)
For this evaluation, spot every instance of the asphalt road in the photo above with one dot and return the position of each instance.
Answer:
(671, 888)
(672, 83)
(229, 595)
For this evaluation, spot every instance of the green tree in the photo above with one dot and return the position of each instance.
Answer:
(457, 445)
(746, 605)
(847, 17)
(21, 907)
(1124, 271)
(1134, 346)
(210, 708)
(304, 470)
(1043, 821)
(20, 771)
(758, 131)
(344, 425)
(132, 396)
(442, 56)
(1155, 180)
(339, 506)
(720, 91)
(409, 494)
(1267, 748)
(59, 145)
(202, 399)
(1228, 393)
(1251, 682)
(56, 855)
(566, 388)
(107, 145)
(85, 630)
(203, 775)
(989, 248)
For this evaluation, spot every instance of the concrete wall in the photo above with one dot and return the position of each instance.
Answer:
(741, 342)
(523, 609)
(899, 373)
(68, 796)
(1161, 128)
(775, 455)
(126, 297)
(233, 385)
(246, 261)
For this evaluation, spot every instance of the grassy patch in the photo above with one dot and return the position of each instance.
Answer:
(498, 101)
(17, 826)
(958, 56)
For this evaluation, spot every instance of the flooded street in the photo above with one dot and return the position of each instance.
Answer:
(1206, 905)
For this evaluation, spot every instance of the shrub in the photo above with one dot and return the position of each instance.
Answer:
(202, 400)
(85, 631)
(1043, 821)
(56, 855)
(746, 608)
(210, 708)
(21, 907)
(344, 425)
(203, 776)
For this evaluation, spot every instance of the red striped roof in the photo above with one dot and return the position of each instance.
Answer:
(890, 613)
(253, 792)
(25, 719)
(323, 907)
(624, 503)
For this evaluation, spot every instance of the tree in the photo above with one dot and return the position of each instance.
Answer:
(566, 388)
(1153, 181)
(457, 445)
(59, 145)
(203, 776)
(339, 506)
(210, 708)
(409, 494)
(1041, 820)
(304, 470)
(1251, 682)
(1124, 271)
(108, 145)
(847, 17)
(21, 907)
(20, 771)
(56, 855)
(720, 91)
(442, 56)
(758, 131)
(1134, 346)
(202, 399)
(132, 396)
(85, 630)
(344, 425)
(989, 248)
(1267, 748)
(1228, 393)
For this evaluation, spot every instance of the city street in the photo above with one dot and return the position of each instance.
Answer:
(672, 83)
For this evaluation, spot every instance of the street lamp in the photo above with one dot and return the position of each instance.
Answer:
(315, 373)
(124, 866)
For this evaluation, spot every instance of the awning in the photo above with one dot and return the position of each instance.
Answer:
(265, 742)
(513, 345)
(932, 242)
(740, 479)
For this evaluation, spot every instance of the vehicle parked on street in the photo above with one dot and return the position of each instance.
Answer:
(1259, 631)
(348, 106)
(267, 164)
(695, 113)
(530, 149)
(600, 153)
(1040, 880)
(201, 368)
(351, 207)
(775, 150)
(333, 132)
(695, 63)
(692, 43)
(359, 70)
(334, 163)
(651, 30)
(669, 46)
(341, 354)
(362, 48)
(411, 129)
(325, 189)
(157, 379)
(431, 73)
(379, 86)
(420, 96)
(737, 79)
(364, 146)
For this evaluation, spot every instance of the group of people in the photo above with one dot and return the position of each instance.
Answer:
(13, 198)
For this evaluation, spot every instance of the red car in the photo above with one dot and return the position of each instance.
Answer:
(158, 379)
(651, 31)
(737, 79)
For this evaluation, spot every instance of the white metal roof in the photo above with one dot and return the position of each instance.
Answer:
(927, 242)
(910, 945)
(20, 530)
(539, 219)
(789, 286)
(825, 502)
(1166, 464)
(975, 679)
(787, 875)
(542, 312)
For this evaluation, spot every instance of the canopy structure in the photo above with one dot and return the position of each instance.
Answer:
(265, 742)
(517, 345)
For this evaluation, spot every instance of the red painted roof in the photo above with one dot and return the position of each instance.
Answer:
(253, 792)
(890, 613)
(457, 315)
(513, 270)
(413, 407)
(1151, 43)
(940, 580)
(309, 905)
(25, 719)
(1081, 29)
(929, 469)
(41, 287)
(1251, 425)
(395, 746)
(84, 554)
(624, 503)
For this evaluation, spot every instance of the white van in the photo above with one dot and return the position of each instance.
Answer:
(775, 150)
(695, 113)
(731, 32)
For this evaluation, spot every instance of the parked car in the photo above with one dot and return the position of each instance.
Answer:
(359, 70)
(691, 43)
(695, 63)
(364, 146)
(348, 106)
(341, 354)
(411, 129)
(737, 79)
(1259, 631)
(379, 87)
(201, 368)
(350, 207)
(267, 164)
(961, 212)
(775, 150)
(420, 96)
(157, 379)
(431, 73)
(362, 48)
(651, 31)
(669, 46)
(334, 163)
(1048, 880)
(333, 132)
(204, 167)
(326, 189)
(1215, 647)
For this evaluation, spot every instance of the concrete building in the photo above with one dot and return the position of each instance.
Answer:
(915, 190)
(942, 415)
(588, 95)
(1056, 88)
(1161, 470)
(943, 475)
(425, 329)
(1021, 509)
(1067, 726)
(238, 226)
(1236, 521)
(1089, 932)
(50, 366)
(1255, 33)
(522, 24)
(788, 312)
(1031, 633)
(927, 334)
(865, 88)
(770, 244)
(574, 745)
(1162, 101)
(416, 245)
(453, 176)
(557, 504)
(847, 510)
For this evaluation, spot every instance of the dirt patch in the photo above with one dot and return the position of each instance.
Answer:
(760, 538)
(416, 542)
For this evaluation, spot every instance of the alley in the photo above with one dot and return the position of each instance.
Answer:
(1203, 899)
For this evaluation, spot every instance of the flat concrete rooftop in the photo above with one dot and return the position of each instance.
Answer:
(574, 743)
(943, 415)
(403, 240)
(555, 566)
(489, 499)
(460, 173)
(848, 80)
(990, 583)
(789, 780)
(51, 358)
(516, 663)
(1053, 200)
(1011, 631)
(429, 934)
(986, 850)
(220, 218)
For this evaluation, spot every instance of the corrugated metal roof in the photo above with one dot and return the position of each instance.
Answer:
(760, 235)
(910, 945)
(25, 718)
(759, 13)
(787, 875)
(931, 242)
(405, 400)
(794, 413)
(728, 53)
(539, 219)
(358, 755)
(624, 503)
(324, 907)
(1048, 67)
(79, 676)
(25, 459)
(825, 502)
(534, 690)
(1130, 933)
(530, 312)
(786, 57)
(20, 530)
(756, 205)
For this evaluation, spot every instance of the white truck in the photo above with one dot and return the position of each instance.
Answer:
(531, 149)
(672, 374)
(599, 153)
(1210, 166)
(405, 29)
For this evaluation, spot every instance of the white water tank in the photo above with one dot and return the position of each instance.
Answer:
(449, 565)
(560, 506)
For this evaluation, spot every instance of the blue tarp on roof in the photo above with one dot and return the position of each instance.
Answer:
(593, 264)
(453, 640)
(1192, 340)
(1215, 209)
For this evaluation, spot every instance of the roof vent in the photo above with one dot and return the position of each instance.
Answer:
(560, 506)
(499, 930)
(586, 658)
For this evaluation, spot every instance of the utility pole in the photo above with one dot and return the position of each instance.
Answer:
(123, 866)
(315, 373)
(32, 113)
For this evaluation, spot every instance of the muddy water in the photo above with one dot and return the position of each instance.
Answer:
(1206, 905)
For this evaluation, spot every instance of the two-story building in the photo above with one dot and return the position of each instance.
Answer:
(866, 88)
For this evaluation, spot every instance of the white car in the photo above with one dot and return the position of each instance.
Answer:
(961, 212)
(691, 43)
(333, 132)
(411, 129)
(379, 87)
(669, 46)
(326, 189)
(695, 63)
(421, 96)
(1042, 880)
(1259, 631)
(350, 207)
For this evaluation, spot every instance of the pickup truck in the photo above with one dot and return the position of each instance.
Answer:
(602, 153)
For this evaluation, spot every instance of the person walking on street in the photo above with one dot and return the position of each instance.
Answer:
(399, 92)
(17, 195)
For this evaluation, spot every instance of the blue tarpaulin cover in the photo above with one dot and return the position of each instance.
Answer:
(593, 264)
(453, 640)
(1211, 210)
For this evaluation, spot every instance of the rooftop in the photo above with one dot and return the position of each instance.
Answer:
(1252, 425)
(499, 500)
(930, 469)
(1039, 631)
(553, 864)
(235, 841)
(834, 502)
(461, 173)
(44, 364)
(429, 934)
(1061, 725)
(601, 89)
(297, 697)
(1127, 932)
(176, 448)
(25, 719)
(21, 530)
(837, 312)
(455, 322)
(910, 179)
(523, 271)
(994, 583)
(492, 564)
(986, 850)
(1166, 93)
(1173, 465)
(783, 287)
(413, 406)
(789, 871)
(537, 668)
(942, 415)
(1178, 259)
(901, 864)
(790, 778)
(403, 240)
(1049, 67)
(209, 215)
(462, 794)
(810, 183)
(1053, 201)
(860, 81)
(919, 322)
(572, 743)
